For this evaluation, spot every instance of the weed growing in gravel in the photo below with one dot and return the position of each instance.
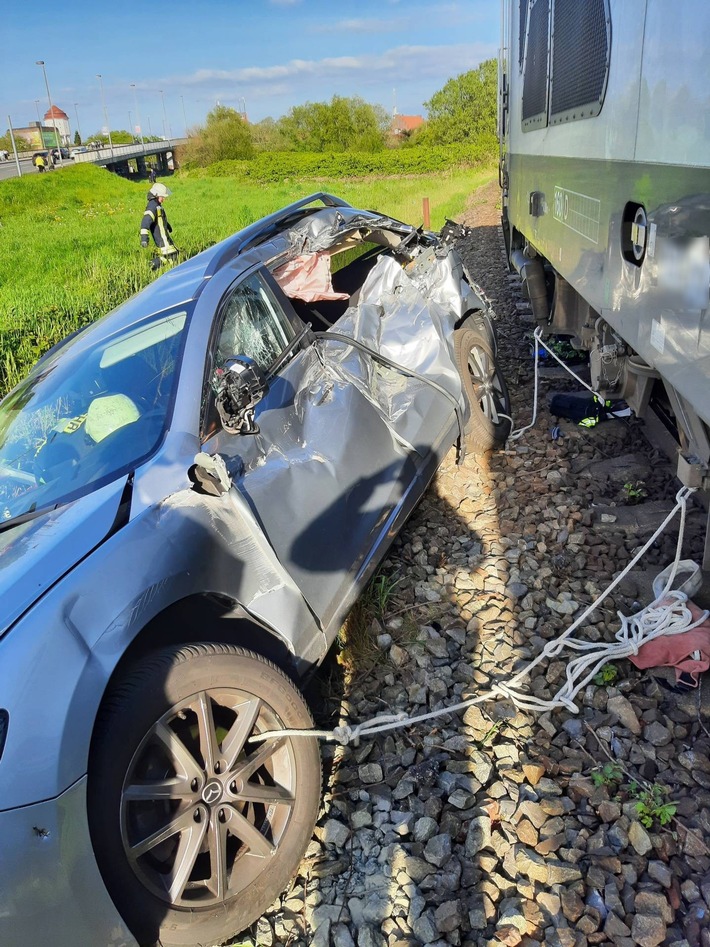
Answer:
(651, 804)
(358, 650)
(492, 732)
(378, 595)
(607, 775)
(608, 675)
(634, 492)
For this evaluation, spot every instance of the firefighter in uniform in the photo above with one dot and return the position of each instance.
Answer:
(155, 224)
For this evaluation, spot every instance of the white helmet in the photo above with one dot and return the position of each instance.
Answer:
(160, 190)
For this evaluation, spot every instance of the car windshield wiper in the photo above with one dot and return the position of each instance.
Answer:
(25, 517)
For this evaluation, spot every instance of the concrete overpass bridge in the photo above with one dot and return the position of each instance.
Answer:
(116, 159)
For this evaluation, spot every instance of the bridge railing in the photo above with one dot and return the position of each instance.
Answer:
(128, 151)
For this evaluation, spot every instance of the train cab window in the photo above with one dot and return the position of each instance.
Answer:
(565, 48)
(535, 69)
(580, 59)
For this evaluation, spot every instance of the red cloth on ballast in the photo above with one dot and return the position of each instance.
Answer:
(677, 651)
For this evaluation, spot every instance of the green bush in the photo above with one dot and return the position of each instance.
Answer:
(275, 167)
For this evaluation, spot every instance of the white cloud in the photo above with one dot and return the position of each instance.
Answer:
(365, 25)
(399, 64)
(415, 72)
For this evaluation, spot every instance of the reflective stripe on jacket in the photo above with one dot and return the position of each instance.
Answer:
(155, 224)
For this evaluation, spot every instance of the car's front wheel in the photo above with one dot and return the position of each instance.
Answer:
(196, 825)
(485, 388)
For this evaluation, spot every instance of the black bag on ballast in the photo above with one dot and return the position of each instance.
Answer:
(581, 406)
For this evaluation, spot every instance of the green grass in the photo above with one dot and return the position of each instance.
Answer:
(69, 249)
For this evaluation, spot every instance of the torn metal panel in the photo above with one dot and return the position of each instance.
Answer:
(320, 231)
(321, 474)
(408, 326)
(398, 321)
(341, 436)
(443, 278)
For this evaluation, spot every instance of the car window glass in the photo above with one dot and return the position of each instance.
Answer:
(254, 324)
(83, 417)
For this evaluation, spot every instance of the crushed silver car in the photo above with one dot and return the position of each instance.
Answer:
(194, 491)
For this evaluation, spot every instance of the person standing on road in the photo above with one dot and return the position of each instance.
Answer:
(155, 224)
(40, 163)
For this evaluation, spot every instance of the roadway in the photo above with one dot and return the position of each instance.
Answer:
(8, 169)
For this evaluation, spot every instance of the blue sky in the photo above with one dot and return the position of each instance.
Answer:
(272, 54)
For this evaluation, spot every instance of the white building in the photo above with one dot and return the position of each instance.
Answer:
(55, 117)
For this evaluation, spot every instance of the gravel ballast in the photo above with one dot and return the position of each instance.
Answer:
(494, 826)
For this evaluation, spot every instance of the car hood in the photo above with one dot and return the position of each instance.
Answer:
(34, 555)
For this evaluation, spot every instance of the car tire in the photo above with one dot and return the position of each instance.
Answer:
(489, 423)
(195, 829)
(482, 321)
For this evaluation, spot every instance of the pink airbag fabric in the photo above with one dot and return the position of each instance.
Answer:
(307, 277)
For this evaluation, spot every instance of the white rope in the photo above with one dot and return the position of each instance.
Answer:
(537, 337)
(668, 614)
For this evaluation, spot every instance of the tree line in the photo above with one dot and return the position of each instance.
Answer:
(462, 112)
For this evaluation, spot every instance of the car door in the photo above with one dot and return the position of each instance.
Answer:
(324, 475)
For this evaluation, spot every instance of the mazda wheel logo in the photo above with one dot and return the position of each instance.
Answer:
(212, 792)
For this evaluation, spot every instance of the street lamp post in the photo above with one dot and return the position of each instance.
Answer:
(39, 125)
(14, 146)
(138, 115)
(103, 103)
(165, 117)
(40, 62)
(76, 112)
(184, 117)
(130, 122)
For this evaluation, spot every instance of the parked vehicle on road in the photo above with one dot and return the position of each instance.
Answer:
(194, 491)
(81, 150)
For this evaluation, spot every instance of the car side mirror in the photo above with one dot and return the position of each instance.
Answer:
(240, 386)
